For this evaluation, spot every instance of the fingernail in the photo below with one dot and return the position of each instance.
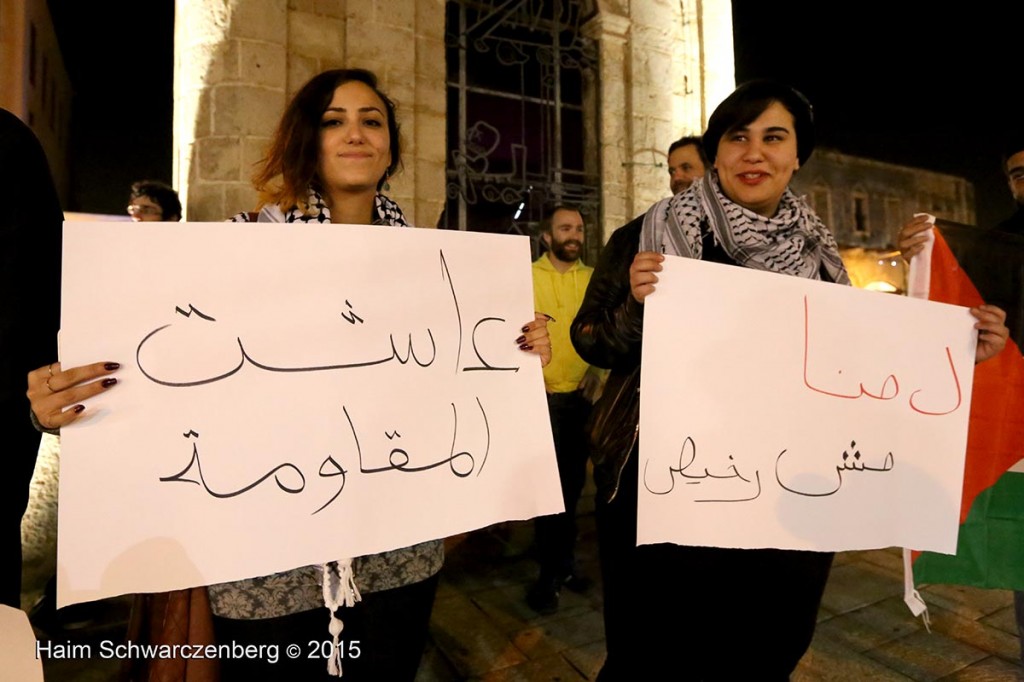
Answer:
(525, 329)
(111, 366)
(77, 409)
(107, 383)
(526, 346)
(521, 339)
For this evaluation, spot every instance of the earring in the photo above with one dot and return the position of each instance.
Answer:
(386, 186)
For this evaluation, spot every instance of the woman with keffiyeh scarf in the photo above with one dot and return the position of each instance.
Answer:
(335, 148)
(704, 613)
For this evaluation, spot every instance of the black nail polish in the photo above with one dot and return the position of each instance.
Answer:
(525, 329)
(111, 366)
(77, 409)
(521, 339)
(526, 346)
(107, 383)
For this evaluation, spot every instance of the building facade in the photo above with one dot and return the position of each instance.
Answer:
(654, 70)
(865, 202)
(34, 83)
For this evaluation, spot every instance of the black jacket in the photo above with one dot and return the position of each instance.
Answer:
(607, 332)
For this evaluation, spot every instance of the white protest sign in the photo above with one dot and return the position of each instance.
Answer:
(18, 659)
(290, 395)
(781, 412)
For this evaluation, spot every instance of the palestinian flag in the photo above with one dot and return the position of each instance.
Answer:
(967, 266)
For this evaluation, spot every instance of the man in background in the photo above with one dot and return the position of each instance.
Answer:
(560, 280)
(30, 243)
(686, 163)
(152, 200)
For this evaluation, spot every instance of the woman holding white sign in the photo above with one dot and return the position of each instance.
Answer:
(701, 613)
(335, 148)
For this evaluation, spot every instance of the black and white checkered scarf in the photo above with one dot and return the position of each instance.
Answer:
(387, 212)
(793, 242)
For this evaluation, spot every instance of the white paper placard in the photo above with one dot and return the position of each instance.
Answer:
(292, 395)
(782, 412)
(18, 657)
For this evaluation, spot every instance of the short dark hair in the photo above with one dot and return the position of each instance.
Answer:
(550, 211)
(1011, 146)
(162, 194)
(295, 147)
(749, 101)
(686, 141)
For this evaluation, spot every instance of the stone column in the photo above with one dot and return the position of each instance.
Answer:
(610, 32)
(229, 90)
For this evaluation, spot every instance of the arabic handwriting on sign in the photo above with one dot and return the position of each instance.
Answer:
(193, 309)
(890, 387)
(687, 456)
(851, 461)
(395, 354)
(328, 468)
(183, 475)
(484, 364)
(193, 473)
(461, 463)
(409, 353)
(351, 316)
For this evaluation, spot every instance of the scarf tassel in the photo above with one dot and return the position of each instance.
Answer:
(340, 589)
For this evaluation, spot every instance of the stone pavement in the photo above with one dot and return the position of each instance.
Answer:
(482, 630)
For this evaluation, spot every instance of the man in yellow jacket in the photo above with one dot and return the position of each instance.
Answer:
(559, 282)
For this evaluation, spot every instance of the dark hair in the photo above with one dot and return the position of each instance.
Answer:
(161, 194)
(1011, 146)
(749, 101)
(295, 147)
(686, 142)
(551, 210)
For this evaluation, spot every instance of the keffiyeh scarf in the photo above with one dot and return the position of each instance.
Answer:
(387, 212)
(793, 242)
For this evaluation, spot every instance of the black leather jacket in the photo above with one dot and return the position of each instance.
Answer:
(607, 333)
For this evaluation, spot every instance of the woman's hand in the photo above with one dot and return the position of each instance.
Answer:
(56, 395)
(992, 332)
(914, 234)
(641, 274)
(535, 338)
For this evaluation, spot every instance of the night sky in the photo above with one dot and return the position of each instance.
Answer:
(898, 81)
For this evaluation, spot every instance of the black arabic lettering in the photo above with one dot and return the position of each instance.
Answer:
(193, 309)
(689, 448)
(181, 477)
(484, 365)
(351, 316)
(851, 462)
(460, 463)
(329, 468)
(445, 274)
(410, 354)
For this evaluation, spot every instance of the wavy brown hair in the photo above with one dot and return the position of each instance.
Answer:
(290, 166)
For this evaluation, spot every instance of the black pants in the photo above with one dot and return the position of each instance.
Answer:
(701, 613)
(389, 629)
(556, 533)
